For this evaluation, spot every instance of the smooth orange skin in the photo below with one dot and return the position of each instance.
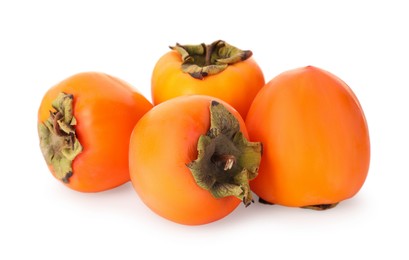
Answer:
(162, 143)
(237, 85)
(315, 139)
(106, 110)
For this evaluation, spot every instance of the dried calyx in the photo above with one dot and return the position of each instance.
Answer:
(58, 140)
(226, 161)
(203, 60)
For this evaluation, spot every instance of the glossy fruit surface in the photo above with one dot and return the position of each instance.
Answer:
(315, 138)
(85, 123)
(165, 165)
(228, 73)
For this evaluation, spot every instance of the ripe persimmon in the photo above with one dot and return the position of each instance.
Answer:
(84, 125)
(190, 161)
(219, 70)
(315, 138)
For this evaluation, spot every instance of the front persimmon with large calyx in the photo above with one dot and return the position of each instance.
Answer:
(315, 139)
(218, 69)
(190, 161)
(84, 125)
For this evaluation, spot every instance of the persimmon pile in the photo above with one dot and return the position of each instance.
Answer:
(214, 135)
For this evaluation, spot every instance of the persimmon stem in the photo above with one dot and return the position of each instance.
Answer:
(203, 60)
(229, 163)
(226, 160)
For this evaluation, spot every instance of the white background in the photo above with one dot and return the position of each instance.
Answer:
(42, 42)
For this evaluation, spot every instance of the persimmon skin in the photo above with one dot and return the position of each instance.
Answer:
(106, 110)
(315, 139)
(162, 143)
(237, 85)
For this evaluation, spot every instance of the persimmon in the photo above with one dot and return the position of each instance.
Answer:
(219, 70)
(315, 138)
(84, 126)
(190, 161)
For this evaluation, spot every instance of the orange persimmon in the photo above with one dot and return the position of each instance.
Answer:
(190, 161)
(315, 138)
(84, 126)
(219, 70)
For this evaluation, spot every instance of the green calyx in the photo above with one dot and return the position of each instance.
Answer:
(58, 141)
(203, 60)
(226, 160)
